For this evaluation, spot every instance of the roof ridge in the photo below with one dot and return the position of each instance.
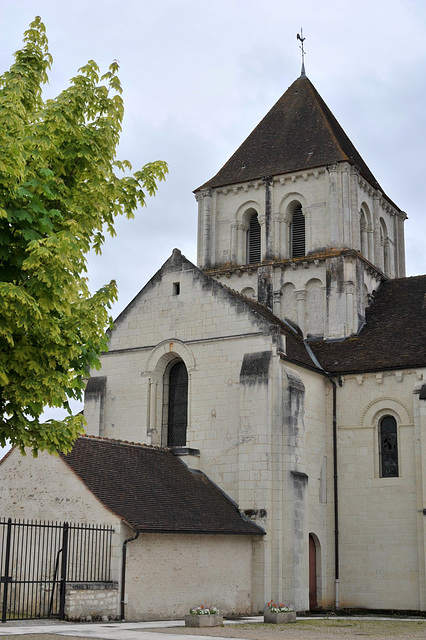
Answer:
(325, 110)
(127, 443)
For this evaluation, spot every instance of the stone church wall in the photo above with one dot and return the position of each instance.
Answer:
(169, 574)
(381, 537)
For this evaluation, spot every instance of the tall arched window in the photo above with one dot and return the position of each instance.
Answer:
(254, 240)
(177, 405)
(297, 233)
(388, 447)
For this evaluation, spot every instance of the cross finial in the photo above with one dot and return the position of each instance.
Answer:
(302, 40)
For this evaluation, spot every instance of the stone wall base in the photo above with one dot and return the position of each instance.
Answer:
(91, 601)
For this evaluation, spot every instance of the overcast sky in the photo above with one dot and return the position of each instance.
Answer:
(198, 75)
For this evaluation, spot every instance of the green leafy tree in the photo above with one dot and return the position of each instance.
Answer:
(60, 191)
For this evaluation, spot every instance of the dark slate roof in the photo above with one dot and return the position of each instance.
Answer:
(393, 337)
(152, 490)
(299, 133)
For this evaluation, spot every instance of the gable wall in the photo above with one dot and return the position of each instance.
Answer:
(205, 326)
(45, 488)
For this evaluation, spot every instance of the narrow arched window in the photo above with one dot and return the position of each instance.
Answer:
(297, 233)
(388, 447)
(254, 240)
(177, 405)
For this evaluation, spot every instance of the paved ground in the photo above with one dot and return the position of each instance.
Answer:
(252, 629)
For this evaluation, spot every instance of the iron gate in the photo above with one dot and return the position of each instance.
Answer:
(37, 559)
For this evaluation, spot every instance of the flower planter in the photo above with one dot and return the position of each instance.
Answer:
(209, 620)
(279, 618)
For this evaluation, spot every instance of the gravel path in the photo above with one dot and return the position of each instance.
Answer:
(347, 629)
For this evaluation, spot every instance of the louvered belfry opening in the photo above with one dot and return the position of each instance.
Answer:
(254, 240)
(297, 233)
(178, 405)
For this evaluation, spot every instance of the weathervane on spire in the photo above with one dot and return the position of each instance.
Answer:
(302, 40)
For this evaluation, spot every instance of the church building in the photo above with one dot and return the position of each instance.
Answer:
(288, 367)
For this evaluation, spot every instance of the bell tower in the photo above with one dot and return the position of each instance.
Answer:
(296, 220)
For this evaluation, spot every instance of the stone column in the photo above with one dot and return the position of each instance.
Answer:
(301, 309)
(349, 288)
(333, 220)
(386, 257)
(242, 229)
(377, 258)
(206, 237)
(285, 236)
(345, 240)
(233, 247)
(419, 400)
(370, 240)
(401, 245)
(355, 226)
(200, 247)
(154, 437)
(277, 247)
(262, 221)
(277, 303)
(364, 241)
(268, 253)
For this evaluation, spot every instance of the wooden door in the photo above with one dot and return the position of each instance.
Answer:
(313, 599)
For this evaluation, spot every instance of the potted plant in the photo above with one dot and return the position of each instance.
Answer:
(278, 613)
(203, 617)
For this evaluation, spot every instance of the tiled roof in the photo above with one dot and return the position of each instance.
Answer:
(152, 490)
(299, 133)
(393, 337)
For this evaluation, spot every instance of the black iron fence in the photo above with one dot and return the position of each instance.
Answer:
(37, 559)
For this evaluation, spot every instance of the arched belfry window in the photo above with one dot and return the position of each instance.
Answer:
(254, 240)
(388, 447)
(177, 404)
(297, 233)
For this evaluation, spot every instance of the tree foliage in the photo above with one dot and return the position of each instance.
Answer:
(60, 190)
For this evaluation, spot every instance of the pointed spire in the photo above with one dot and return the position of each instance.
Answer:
(302, 40)
(298, 133)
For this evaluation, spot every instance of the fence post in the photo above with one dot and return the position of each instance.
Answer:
(63, 571)
(6, 578)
